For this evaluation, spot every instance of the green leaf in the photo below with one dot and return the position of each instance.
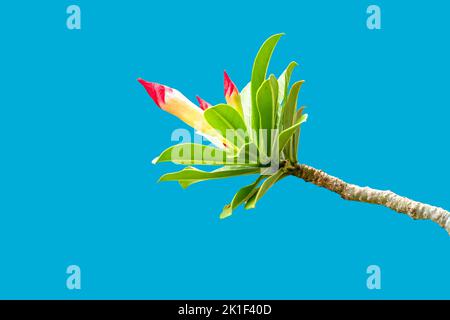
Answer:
(228, 122)
(264, 101)
(296, 138)
(259, 72)
(286, 134)
(265, 105)
(288, 111)
(283, 81)
(186, 183)
(193, 153)
(240, 197)
(191, 175)
(274, 85)
(270, 181)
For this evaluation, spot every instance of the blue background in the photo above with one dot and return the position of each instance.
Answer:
(78, 134)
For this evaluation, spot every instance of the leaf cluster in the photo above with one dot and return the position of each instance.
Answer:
(266, 132)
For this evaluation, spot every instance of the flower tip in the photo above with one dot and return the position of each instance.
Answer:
(146, 83)
(155, 90)
(203, 104)
(225, 76)
(229, 86)
(143, 82)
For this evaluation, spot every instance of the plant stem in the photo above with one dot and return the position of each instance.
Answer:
(387, 198)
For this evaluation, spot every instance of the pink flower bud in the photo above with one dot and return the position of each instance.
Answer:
(156, 91)
(229, 86)
(232, 93)
(175, 103)
(203, 104)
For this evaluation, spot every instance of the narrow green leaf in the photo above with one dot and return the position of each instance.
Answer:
(186, 183)
(291, 104)
(228, 122)
(240, 197)
(190, 175)
(193, 153)
(274, 85)
(286, 134)
(296, 138)
(283, 90)
(288, 111)
(265, 105)
(283, 81)
(270, 181)
(264, 101)
(259, 72)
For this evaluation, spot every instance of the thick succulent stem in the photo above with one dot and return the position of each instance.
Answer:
(387, 198)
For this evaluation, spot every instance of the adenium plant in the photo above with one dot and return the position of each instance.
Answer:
(256, 131)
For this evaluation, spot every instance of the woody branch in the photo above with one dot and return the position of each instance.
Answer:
(387, 198)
